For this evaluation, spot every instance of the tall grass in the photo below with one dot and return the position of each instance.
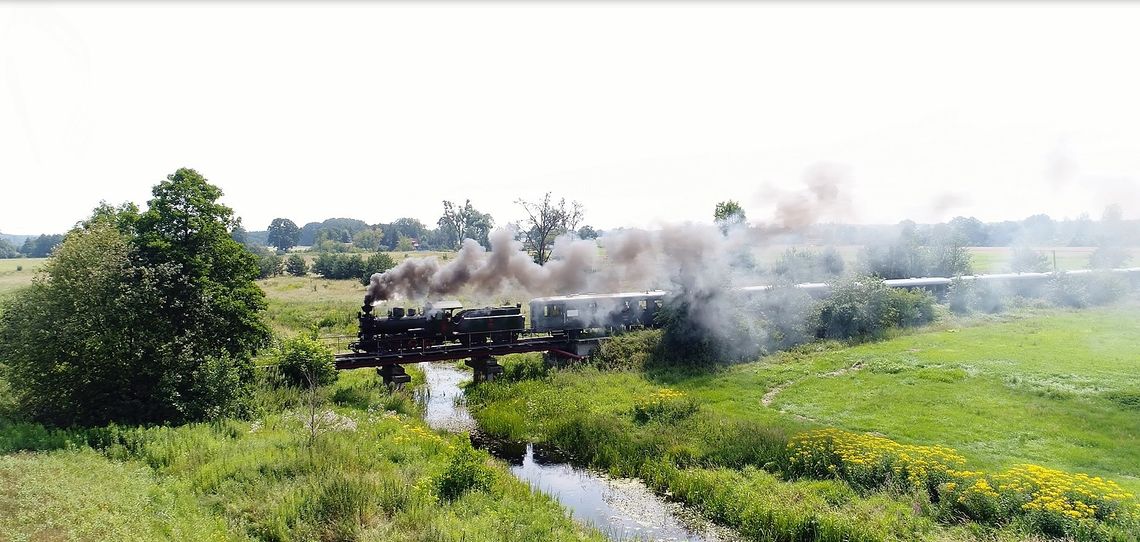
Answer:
(374, 473)
(729, 454)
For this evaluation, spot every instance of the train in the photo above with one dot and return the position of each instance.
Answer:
(570, 316)
(447, 322)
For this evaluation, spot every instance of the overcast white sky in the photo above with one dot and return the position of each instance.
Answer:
(645, 113)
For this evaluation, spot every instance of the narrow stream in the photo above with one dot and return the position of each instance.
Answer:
(623, 509)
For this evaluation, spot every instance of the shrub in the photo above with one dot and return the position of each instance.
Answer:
(783, 314)
(1064, 290)
(1026, 260)
(295, 265)
(906, 258)
(466, 471)
(339, 266)
(866, 308)
(1104, 287)
(1109, 257)
(630, 350)
(377, 263)
(959, 296)
(269, 264)
(303, 361)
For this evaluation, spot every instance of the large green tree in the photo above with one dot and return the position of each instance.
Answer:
(458, 223)
(371, 239)
(7, 250)
(40, 247)
(145, 317)
(283, 233)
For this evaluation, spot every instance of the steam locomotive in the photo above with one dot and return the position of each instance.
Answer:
(446, 322)
(438, 323)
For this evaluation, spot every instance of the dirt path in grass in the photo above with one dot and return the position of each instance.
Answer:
(767, 399)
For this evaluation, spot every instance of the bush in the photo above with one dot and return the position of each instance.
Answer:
(1109, 257)
(269, 264)
(906, 258)
(295, 265)
(959, 296)
(1065, 290)
(866, 308)
(339, 266)
(1027, 260)
(1104, 287)
(466, 471)
(303, 361)
(783, 314)
(631, 350)
(377, 263)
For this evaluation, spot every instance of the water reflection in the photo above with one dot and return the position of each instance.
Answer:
(623, 509)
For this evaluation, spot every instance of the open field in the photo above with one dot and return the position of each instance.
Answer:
(374, 472)
(16, 273)
(983, 259)
(1048, 387)
(996, 259)
(302, 303)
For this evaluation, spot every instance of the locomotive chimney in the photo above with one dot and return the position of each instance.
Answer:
(367, 307)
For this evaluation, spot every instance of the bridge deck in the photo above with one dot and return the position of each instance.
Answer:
(556, 345)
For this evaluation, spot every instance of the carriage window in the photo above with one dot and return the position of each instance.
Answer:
(643, 304)
(552, 310)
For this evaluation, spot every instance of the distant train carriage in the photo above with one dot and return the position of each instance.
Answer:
(573, 313)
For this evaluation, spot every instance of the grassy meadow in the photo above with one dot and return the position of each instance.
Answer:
(1049, 387)
(1055, 388)
(16, 273)
(374, 471)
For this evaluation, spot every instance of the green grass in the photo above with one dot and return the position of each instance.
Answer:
(297, 304)
(371, 474)
(16, 273)
(1050, 387)
(80, 494)
(1055, 390)
(983, 259)
(996, 259)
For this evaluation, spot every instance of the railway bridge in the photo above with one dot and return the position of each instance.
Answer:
(480, 357)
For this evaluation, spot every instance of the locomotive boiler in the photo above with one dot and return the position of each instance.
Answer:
(437, 323)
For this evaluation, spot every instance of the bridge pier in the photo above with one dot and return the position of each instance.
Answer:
(485, 368)
(393, 374)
